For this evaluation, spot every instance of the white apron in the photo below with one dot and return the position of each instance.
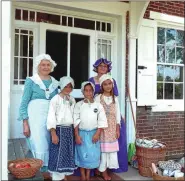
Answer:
(40, 137)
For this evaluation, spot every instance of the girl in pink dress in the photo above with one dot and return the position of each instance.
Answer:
(109, 136)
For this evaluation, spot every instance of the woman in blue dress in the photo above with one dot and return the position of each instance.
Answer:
(38, 91)
(103, 66)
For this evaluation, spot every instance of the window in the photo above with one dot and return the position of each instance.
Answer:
(170, 65)
(23, 55)
(104, 49)
(28, 15)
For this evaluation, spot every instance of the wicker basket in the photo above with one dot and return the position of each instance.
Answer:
(151, 153)
(156, 176)
(22, 173)
(147, 156)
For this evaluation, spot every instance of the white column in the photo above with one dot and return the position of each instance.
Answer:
(6, 59)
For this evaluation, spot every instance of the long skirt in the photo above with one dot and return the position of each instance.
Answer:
(40, 137)
(61, 156)
(122, 153)
(87, 154)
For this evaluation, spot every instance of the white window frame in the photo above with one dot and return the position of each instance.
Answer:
(30, 26)
(173, 22)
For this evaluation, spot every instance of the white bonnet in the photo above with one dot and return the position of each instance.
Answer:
(41, 57)
(64, 81)
(85, 83)
(105, 77)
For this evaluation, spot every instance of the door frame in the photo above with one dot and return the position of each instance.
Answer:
(92, 46)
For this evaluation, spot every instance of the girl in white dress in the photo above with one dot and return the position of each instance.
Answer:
(89, 119)
(60, 124)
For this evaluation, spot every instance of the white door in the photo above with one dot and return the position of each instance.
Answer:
(24, 49)
(73, 50)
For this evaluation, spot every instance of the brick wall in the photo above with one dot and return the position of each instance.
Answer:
(167, 127)
(164, 126)
(175, 8)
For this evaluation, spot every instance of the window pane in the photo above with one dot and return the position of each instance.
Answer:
(170, 37)
(79, 63)
(160, 72)
(16, 30)
(30, 67)
(54, 19)
(168, 73)
(18, 14)
(70, 20)
(170, 54)
(82, 23)
(103, 27)
(180, 38)
(160, 53)
(24, 32)
(56, 47)
(161, 36)
(15, 82)
(16, 45)
(24, 45)
(168, 94)
(108, 27)
(179, 55)
(159, 90)
(32, 16)
(99, 51)
(104, 51)
(25, 15)
(98, 25)
(178, 91)
(22, 82)
(64, 20)
(23, 68)
(109, 52)
(31, 46)
(15, 68)
(178, 73)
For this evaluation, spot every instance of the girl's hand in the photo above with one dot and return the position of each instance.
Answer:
(95, 137)
(117, 131)
(55, 139)
(78, 140)
(26, 128)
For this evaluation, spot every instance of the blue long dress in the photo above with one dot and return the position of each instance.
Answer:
(34, 107)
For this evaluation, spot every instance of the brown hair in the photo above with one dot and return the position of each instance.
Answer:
(111, 93)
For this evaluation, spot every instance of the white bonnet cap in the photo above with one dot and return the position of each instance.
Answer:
(66, 80)
(105, 77)
(85, 83)
(41, 57)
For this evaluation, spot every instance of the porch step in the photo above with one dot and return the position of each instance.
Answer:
(17, 149)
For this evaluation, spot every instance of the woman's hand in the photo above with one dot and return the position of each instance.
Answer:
(78, 140)
(117, 131)
(55, 139)
(26, 128)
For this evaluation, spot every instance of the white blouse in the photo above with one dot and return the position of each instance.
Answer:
(108, 100)
(89, 116)
(60, 111)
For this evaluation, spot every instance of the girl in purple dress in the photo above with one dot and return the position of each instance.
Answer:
(103, 66)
